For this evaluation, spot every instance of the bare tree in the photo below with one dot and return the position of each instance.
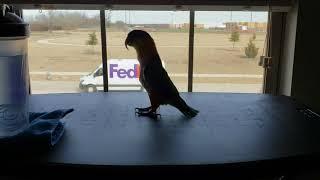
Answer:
(51, 15)
(108, 17)
(67, 20)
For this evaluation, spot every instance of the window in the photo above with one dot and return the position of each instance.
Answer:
(64, 50)
(99, 72)
(169, 29)
(227, 49)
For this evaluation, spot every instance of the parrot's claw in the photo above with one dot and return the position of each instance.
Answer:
(150, 114)
(142, 109)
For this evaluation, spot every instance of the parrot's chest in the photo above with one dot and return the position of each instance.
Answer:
(142, 79)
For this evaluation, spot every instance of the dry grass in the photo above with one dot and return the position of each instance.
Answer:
(213, 53)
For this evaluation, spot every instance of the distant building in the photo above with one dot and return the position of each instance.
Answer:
(232, 26)
(176, 26)
(246, 26)
(186, 26)
(199, 26)
(256, 26)
(150, 27)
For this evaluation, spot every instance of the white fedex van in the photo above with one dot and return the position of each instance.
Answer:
(123, 74)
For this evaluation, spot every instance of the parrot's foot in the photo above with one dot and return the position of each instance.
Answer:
(143, 109)
(150, 114)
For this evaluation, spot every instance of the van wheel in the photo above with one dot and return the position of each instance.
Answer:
(91, 88)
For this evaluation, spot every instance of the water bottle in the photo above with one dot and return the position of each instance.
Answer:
(14, 75)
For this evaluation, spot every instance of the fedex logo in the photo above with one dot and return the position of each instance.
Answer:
(122, 73)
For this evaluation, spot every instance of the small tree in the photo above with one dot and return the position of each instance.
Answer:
(235, 37)
(92, 40)
(251, 50)
(254, 36)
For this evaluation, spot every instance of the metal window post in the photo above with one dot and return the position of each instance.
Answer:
(276, 34)
(104, 50)
(191, 48)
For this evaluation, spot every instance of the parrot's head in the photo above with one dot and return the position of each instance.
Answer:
(143, 44)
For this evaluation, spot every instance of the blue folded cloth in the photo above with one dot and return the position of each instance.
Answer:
(44, 131)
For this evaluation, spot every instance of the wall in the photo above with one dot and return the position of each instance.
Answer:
(306, 67)
(286, 64)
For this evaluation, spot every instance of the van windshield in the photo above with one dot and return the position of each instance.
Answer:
(95, 70)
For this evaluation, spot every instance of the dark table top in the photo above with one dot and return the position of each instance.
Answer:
(230, 128)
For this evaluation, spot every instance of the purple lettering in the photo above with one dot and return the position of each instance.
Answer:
(131, 73)
(122, 73)
(113, 69)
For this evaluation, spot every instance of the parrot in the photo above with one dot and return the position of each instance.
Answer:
(154, 78)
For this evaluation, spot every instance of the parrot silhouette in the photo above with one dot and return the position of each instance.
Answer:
(154, 78)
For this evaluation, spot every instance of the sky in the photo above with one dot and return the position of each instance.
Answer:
(208, 18)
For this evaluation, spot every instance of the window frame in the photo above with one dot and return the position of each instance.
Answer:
(278, 13)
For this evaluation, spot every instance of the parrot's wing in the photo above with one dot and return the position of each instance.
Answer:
(159, 80)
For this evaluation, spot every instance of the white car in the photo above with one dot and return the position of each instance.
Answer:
(93, 81)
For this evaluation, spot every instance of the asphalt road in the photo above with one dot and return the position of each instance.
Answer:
(45, 87)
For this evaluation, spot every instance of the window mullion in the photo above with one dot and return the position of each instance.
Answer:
(104, 50)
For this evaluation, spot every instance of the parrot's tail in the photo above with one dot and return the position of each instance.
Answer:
(184, 108)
